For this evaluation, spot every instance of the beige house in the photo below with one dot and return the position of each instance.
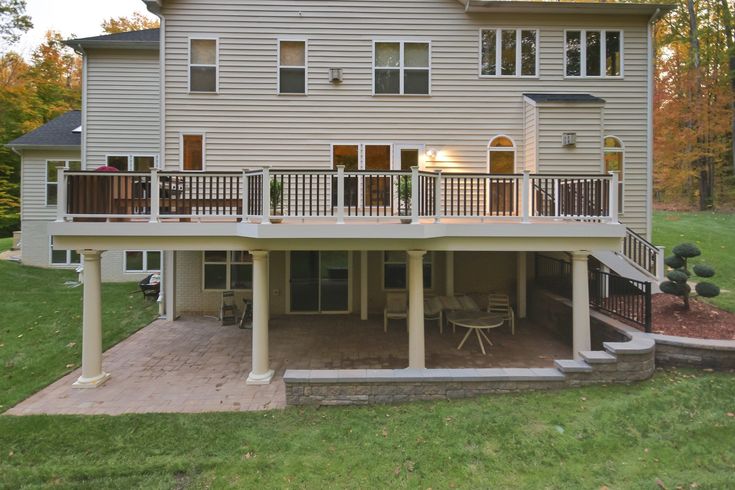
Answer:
(319, 157)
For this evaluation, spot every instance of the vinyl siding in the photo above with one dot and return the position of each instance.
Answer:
(248, 124)
(123, 104)
(33, 182)
(530, 137)
(585, 157)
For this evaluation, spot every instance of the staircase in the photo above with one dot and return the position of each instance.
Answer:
(639, 259)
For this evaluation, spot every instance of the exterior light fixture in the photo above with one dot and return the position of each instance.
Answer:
(431, 153)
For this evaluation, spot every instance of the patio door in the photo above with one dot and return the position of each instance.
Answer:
(319, 282)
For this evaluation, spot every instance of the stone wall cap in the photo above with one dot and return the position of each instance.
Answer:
(572, 366)
(638, 345)
(694, 343)
(597, 357)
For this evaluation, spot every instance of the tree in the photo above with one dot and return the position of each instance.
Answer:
(13, 20)
(136, 22)
(678, 277)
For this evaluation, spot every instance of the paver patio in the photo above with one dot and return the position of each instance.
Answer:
(197, 365)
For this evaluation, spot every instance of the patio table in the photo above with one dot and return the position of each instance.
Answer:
(478, 322)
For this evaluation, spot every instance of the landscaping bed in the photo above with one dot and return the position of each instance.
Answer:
(702, 320)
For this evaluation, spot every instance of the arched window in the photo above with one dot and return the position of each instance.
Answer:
(501, 155)
(614, 160)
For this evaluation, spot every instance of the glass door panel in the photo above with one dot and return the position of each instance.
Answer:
(377, 189)
(501, 194)
(304, 281)
(347, 155)
(334, 281)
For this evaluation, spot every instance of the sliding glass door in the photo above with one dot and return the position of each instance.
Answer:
(319, 282)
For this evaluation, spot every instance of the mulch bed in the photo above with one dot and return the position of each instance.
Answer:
(702, 321)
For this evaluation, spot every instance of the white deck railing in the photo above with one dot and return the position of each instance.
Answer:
(260, 195)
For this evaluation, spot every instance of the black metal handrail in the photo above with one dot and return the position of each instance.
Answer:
(623, 297)
(642, 252)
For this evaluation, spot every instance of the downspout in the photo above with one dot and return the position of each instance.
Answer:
(649, 124)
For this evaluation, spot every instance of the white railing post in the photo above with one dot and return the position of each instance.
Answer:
(438, 197)
(266, 195)
(614, 197)
(245, 197)
(557, 207)
(340, 194)
(414, 195)
(525, 196)
(660, 264)
(60, 194)
(155, 196)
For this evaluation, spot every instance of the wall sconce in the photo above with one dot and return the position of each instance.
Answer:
(431, 153)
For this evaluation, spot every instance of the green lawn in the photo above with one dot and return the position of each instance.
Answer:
(5, 244)
(40, 326)
(714, 233)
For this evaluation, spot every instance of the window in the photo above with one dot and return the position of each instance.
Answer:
(142, 261)
(501, 155)
(596, 53)
(292, 67)
(402, 67)
(52, 177)
(203, 71)
(133, 163)
(228, 270)
(508, 52)
(63, 257)
(614, 161)
(192, 158)
(395, 270)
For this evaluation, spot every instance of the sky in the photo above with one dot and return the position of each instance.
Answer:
(81, 18)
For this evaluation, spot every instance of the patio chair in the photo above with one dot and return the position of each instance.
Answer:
(500, 303)
(396, 308)
(433, 312)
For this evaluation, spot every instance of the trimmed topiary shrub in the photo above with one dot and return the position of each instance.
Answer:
(679, 275)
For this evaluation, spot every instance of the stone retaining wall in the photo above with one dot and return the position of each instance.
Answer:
(697, 353)
(620, 362)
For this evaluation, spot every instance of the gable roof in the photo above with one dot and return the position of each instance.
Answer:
(568, 98)
(62, 132)
(145, 39)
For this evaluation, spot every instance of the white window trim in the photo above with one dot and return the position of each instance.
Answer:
(68, 263)
(603, 54)
(361, 152)
(190, 65)
(181, 149)
(498, 52)
(621, 197)
(146, 269)
(131, 158)
(513, 148)
(396, 158)
(401, 68)
(382, 272)
(228, 263)
(279, 40)
(47, 183)
(350, 271)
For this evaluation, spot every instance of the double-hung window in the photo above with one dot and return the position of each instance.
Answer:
(142, 261)
(225, 270)
(52, 177)
(395, 270)
(509, 52)
(402, 68)
(292, 67)
(203, 65)
(63, 257)
(593, 53)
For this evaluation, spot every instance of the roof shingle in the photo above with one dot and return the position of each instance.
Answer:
(58, 132)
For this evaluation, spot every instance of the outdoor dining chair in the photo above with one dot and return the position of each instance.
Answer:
(500, 303)
(396, 308)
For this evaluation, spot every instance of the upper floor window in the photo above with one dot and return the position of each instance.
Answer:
(501, 155)
(509, 52)
(292, 67)
(52, 177)
(192, 155)
(203, 69)
(614, 161)
(593, 53)
(132, 163)
(402, 67)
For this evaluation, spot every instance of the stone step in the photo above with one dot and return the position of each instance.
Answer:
(572, 366)
(597, 357)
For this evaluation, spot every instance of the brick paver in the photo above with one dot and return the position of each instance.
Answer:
(197, 365)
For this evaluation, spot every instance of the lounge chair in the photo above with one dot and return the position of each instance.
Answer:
(396, 308)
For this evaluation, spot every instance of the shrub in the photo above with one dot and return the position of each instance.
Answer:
(679, 275)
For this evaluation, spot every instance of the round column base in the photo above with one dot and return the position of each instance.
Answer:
(260, 379)
(86, 383)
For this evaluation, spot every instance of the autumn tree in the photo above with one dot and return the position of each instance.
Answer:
(13, 21)
(136, 22)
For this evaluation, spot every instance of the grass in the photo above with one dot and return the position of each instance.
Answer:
(5, 244)
(40, 326)
(675, 428)
(714, 233)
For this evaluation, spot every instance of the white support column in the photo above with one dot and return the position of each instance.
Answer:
(580, 304)
(525, 196)
(521, 283)
(340, 194)
(661, 264)
(169, 284)
(363, 285)
(92, 374)
(416, 351)
(449, 273)
(260, 374)
(155, 196)
(415, 195)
